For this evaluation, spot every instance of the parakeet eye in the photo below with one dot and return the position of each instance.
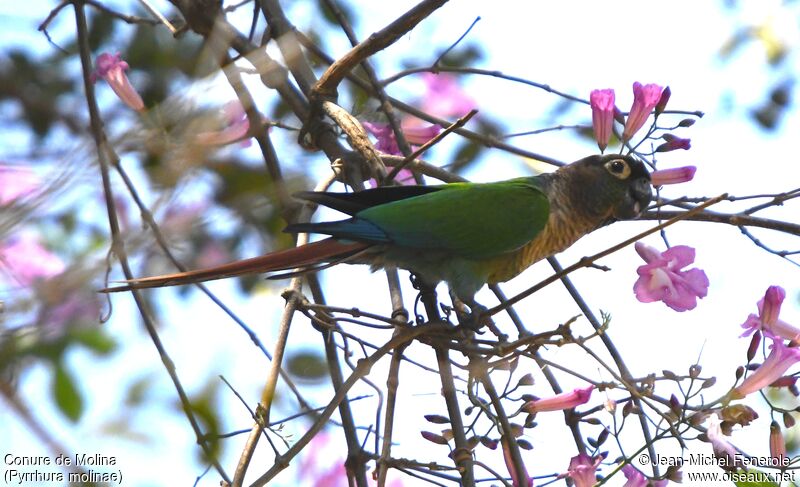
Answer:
(618, 168)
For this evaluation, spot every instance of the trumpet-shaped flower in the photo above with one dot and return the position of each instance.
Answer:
(527, 481)
(674, 143)
(444, 97)
(662, 277)
(645, 98)
(675, 175)
(583, 470)
(388, 144)
(16, 182)
(777, 445)
(112, 69)
(768, 317)
(237, 127)
(635, 477)
(602, 103)
(25, 260)
(663, 100)
(386, 139)
(777, 363)
(565, 400)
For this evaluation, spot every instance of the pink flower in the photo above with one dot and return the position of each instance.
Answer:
(444, 96)
(387, 142)
(63, 308)
(16, 182)
(321, 465)
(583, 470)
(211, 254)
(645, 98)
(112, 69)
(638, 479)
(785, 381)
(565, 400)
(383, 132)
(771, 307)
(635, 477)
(777, 446)
(602, 103)
(721, 446)
(674, 143)
(662, 279)
(24, 259)
(237, 127)
(663, 100)
(768, 320)
(675, 175)
(516, 482)
(420, 135)
(777, 363)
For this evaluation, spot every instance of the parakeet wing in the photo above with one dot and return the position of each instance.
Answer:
(467, 219)
(352, 203)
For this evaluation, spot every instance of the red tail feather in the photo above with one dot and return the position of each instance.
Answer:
(298, 257)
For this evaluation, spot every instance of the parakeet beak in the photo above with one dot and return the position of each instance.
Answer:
(640, 193)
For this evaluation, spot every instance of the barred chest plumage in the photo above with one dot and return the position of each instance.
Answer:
(562, 230)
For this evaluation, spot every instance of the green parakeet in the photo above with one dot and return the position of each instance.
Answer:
(466, 234)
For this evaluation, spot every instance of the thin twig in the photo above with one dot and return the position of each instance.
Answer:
(462, 455)
(362, 369)
(158, 15)
(508, 436)
(329, 81)
(354, 449)
(386, 105)
(427, 145)
(485, 140)
(457, 42)
(392, 383)
(117, 243)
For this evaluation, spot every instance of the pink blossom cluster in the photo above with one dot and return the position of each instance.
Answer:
(782, 356)
(27, 264)
(443, 98)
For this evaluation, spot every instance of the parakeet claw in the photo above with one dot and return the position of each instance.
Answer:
(477, 318)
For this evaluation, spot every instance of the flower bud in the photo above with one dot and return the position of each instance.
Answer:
(434, 438)
(602, 103)
(772, 305)
(662, 102)
(777, 446)
(753, 348)
(525, 380)
(674, 143)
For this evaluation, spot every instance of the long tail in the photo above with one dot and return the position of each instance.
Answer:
(309, 255)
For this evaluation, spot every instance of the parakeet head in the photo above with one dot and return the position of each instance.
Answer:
(612, 187)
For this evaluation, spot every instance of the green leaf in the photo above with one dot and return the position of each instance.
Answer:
(307, 365)
(205, 408)
(66, 394)
(95, 340)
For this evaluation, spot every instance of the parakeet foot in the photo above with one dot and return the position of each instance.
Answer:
(477, 318)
